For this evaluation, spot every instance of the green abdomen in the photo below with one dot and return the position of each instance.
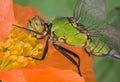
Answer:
(63, 29)
(99, 48)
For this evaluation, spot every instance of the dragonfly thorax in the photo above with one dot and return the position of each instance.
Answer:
(65, 29)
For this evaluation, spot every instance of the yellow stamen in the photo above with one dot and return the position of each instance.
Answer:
(18, 45)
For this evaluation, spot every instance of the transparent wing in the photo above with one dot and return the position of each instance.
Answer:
(114, 17)
(78, 8)
(92, 14)
(109, 35)
(96, 8)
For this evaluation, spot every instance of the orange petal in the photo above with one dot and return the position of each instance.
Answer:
(6, 18)
(57, 60)
(40, 75)
(23, 18)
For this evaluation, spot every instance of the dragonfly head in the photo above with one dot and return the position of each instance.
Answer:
(39, 28)
(36, 24)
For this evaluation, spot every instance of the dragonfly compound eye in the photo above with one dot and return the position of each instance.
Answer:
(37, 27)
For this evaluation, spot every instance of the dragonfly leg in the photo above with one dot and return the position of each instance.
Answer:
(88, 53)
(67, 54)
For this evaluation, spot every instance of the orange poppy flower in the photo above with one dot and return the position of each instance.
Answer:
(55, 67)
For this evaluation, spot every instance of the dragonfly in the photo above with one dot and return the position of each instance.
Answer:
(87, 28)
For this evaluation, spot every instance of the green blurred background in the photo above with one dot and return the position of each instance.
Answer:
(106, 69)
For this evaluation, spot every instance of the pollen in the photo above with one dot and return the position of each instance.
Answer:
(14, 51)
